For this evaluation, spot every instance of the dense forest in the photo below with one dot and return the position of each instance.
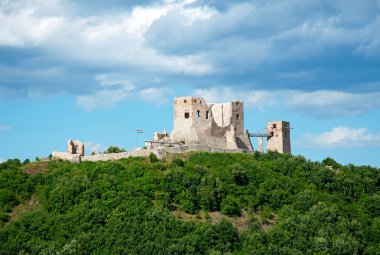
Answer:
(196, 203)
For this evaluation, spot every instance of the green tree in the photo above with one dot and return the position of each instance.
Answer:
(114, 149)
(230, 206)
(153, 158)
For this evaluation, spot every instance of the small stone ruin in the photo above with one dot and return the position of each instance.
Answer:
(75, 150)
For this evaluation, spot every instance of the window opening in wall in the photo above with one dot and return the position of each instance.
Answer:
(237, 116)
(198, 114)
(187, 115)
(207, 115)
(274, 125)
(185, 101)
(77, 149)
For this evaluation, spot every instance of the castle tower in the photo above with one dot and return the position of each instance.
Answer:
(278, 136)
(190, 113)
(215, 125)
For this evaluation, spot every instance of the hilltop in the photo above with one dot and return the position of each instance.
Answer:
(193, 203)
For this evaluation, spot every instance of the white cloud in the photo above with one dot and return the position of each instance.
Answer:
(256, 99)
(24, 27)
(142, 18)
(156, 95)
(2, 160)
(324, 103)
(189, 39)
(111, 92)
(115, 88)
(4, 128)
(319, 103)
(342, 137)
(92, 146)
(115, 39)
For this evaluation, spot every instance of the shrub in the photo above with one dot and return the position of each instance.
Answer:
(230, 206)
(114, 149)
(331, 162)
(4, 217)
(178, 162)
(7, 200)
(240, 176)
(153, 158)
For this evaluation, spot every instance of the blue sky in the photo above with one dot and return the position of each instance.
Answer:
(97, 72)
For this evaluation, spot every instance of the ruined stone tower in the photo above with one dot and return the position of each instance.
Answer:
(278, 138)
(215, 125)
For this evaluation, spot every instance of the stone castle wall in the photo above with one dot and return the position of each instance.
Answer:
(215, 125)
(67, 156)
(279, 139)
(160, 152)
(116, 156)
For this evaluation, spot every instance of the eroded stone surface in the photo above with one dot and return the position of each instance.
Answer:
(278, 136)
(214, 125)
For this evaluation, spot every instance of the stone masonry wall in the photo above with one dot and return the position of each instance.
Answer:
(216, 125)
(280, 136)
(66, 156)
(160, 152)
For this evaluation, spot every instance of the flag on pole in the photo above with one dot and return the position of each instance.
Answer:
(139, 131)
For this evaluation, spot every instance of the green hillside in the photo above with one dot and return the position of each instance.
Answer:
(198, 203)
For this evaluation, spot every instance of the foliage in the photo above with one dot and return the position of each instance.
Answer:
(153, 158)
(230, 206)
(129, 206)
(114, 149)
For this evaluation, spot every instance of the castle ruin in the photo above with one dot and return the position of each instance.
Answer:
(201, 127)
(219, 126)
(75, 151)
(278, 138)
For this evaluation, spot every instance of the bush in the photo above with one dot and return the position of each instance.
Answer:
(230, 206)
(178, 162)
(240, 176)
(7, 200)
(187, 202)
(153, 158)
(4, 217)
(331, 162)
(114, 149)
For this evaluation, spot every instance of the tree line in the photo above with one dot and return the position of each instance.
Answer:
(294, 206)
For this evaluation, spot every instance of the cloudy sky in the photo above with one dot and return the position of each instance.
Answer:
(98, 70)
